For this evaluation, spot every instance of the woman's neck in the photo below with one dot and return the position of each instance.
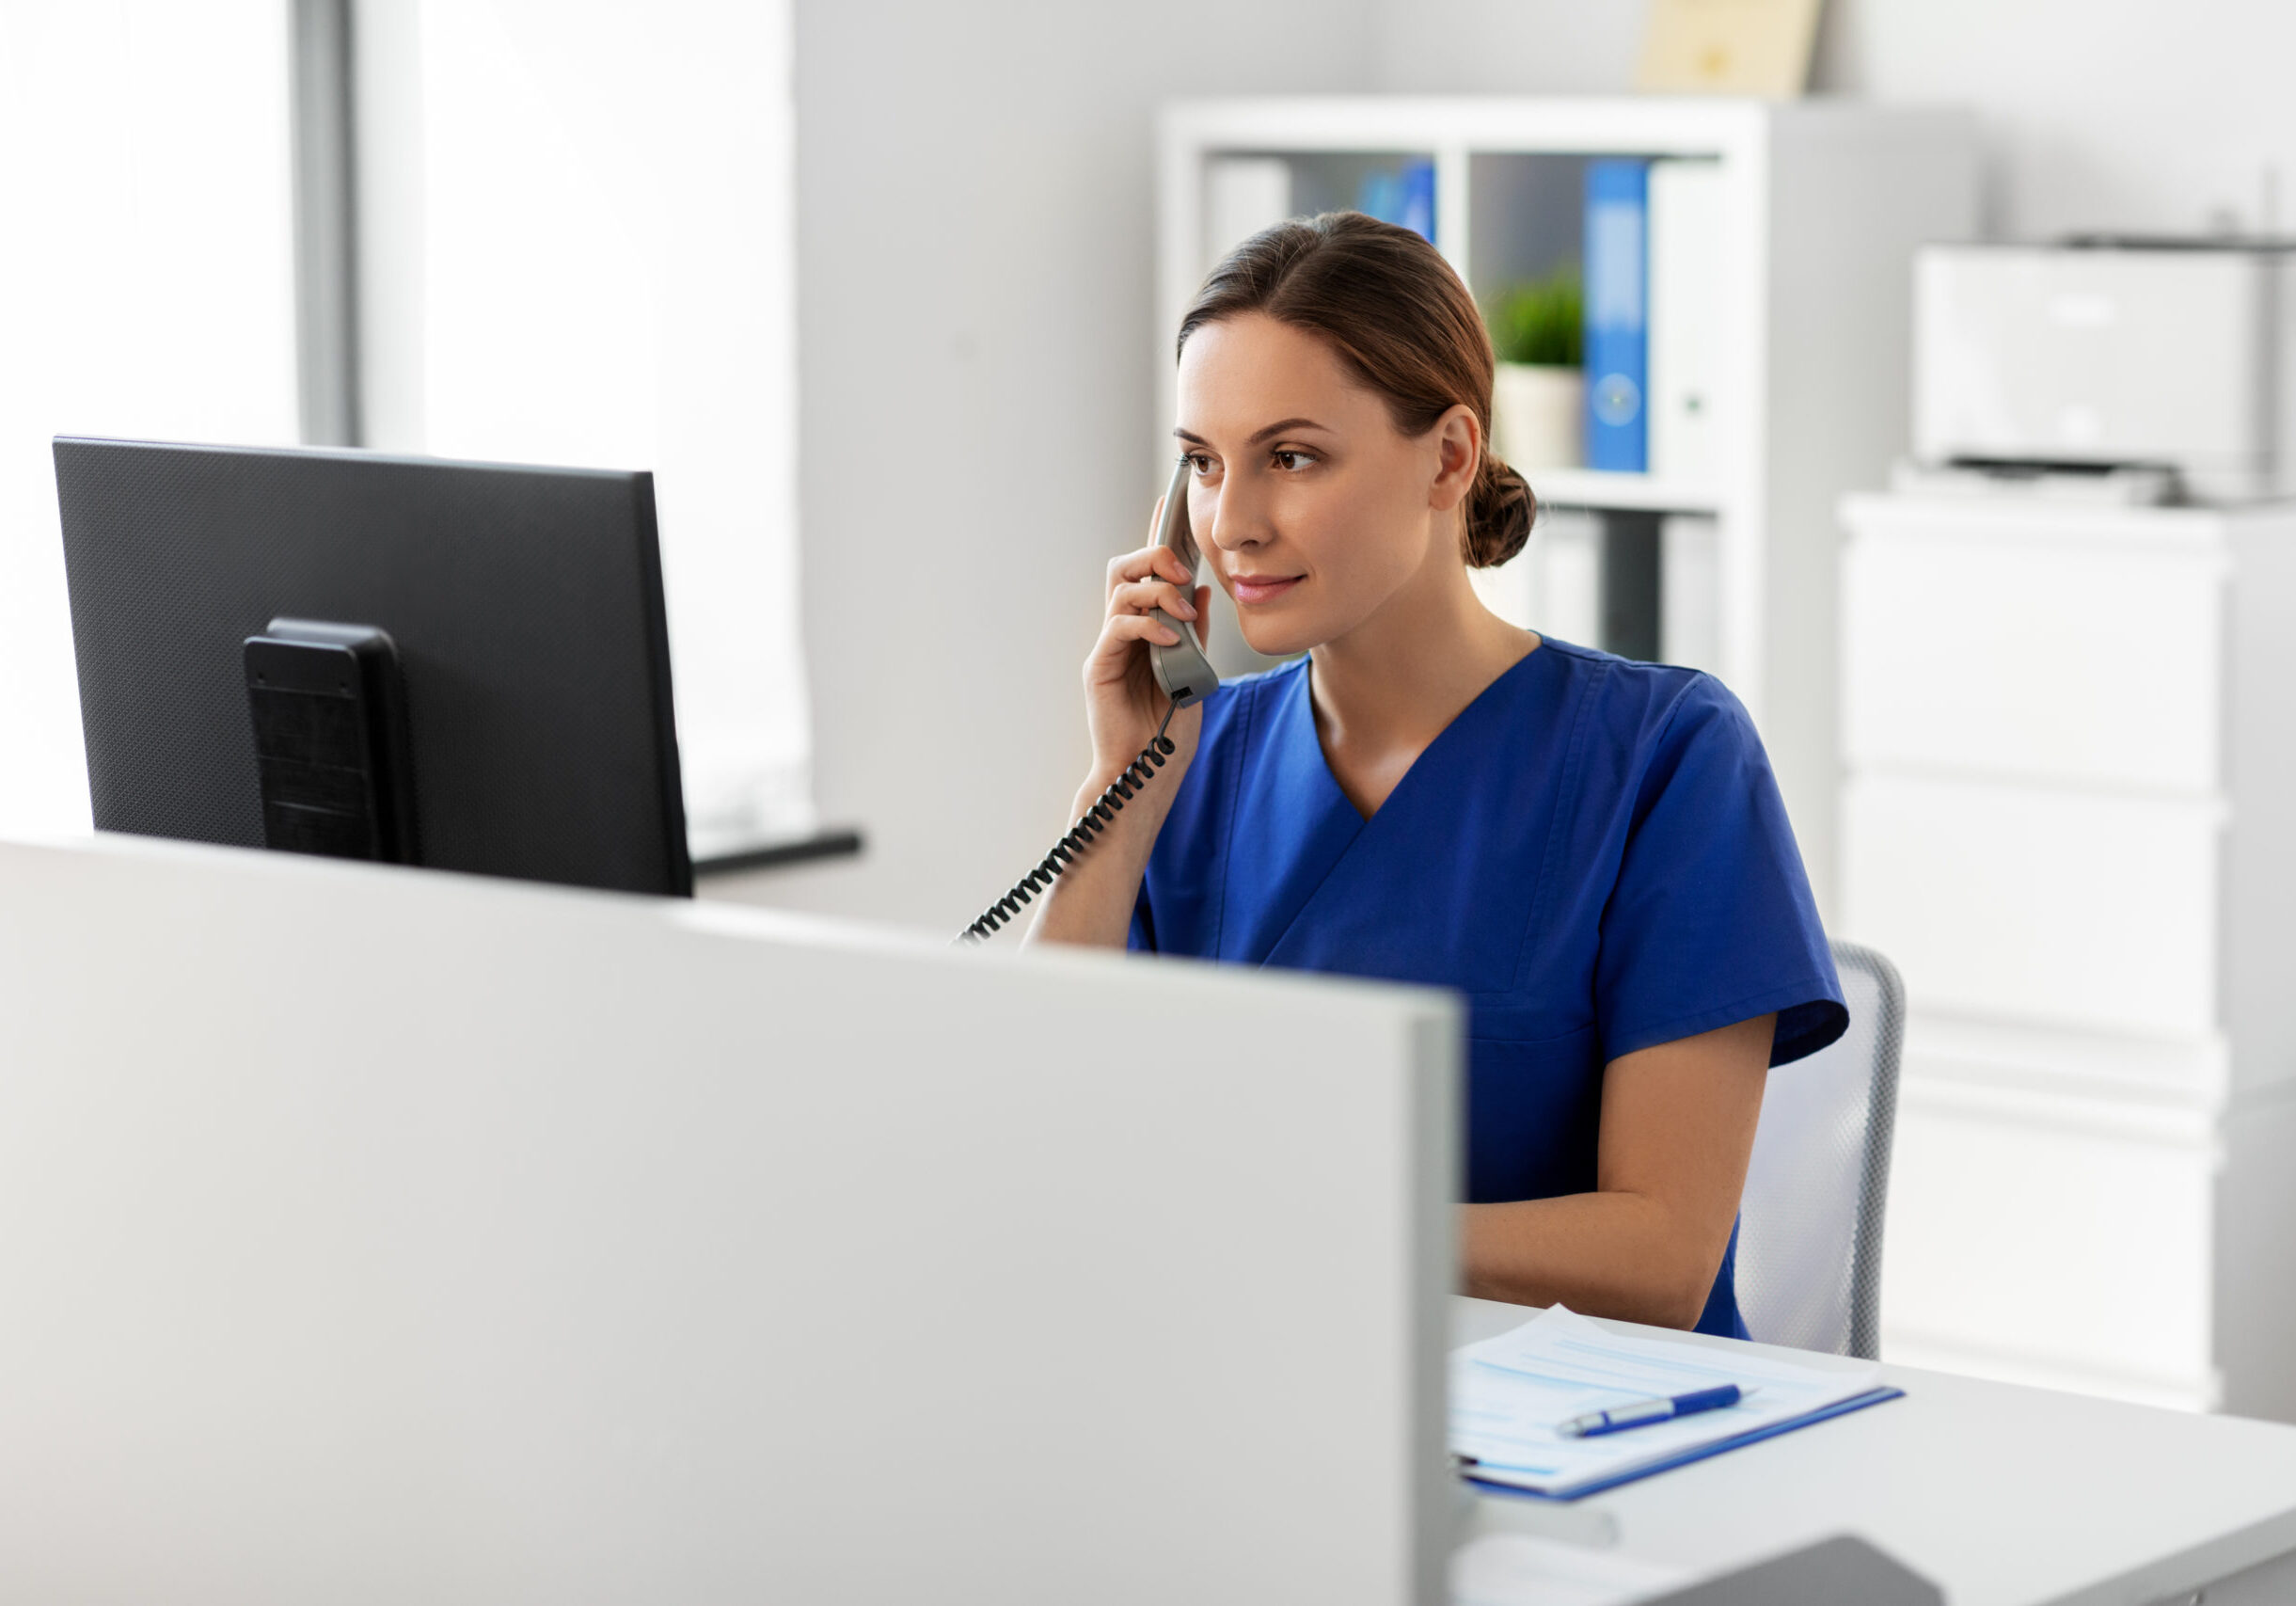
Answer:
(1388, 687)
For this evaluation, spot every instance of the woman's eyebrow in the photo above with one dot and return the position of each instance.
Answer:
(1278, 427)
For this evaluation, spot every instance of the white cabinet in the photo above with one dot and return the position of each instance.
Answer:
(2037, 903)
(2052, 1233)
(1979, 646)
(2069, 814)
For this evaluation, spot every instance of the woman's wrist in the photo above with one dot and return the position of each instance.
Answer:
(1157, 790)
(1087, 794)
(1095, 788)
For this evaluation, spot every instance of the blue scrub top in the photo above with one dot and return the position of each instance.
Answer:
(1594, 852)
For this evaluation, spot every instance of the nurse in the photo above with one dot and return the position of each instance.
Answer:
(1592, 851)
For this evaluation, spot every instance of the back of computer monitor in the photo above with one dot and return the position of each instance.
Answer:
(525, 605)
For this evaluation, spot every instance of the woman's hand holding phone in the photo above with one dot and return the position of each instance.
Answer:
(1092, 903)
(1123, 704)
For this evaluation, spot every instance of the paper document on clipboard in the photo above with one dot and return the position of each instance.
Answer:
(1508, 1394)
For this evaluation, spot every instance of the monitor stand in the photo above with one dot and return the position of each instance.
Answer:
(328, 712)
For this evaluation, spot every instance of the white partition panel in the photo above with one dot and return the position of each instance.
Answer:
(381, 1237)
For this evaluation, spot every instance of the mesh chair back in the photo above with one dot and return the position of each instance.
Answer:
(1809, 1270)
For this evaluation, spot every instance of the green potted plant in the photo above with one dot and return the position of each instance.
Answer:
(1538, 395)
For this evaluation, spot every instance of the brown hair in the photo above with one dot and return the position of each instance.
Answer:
(1400, 320)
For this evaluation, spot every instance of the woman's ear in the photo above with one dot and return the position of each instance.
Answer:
(1458, 440)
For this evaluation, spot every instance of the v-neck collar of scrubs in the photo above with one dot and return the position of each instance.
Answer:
(1312, 834)
(1304, 693)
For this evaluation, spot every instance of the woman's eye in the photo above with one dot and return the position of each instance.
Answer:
(1199, 464)
(1292, 462)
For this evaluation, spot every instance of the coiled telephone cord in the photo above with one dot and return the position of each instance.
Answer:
(1102, 813)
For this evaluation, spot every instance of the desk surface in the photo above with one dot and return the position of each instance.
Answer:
(2128, 1505)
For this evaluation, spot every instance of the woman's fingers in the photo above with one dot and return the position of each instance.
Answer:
(1145, 595)
(1117, 666)
(1114, 658)
(1124, 628)
(1149, 561)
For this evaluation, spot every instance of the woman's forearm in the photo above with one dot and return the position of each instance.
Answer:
(1603, 1254)
(1091, 904)
(1677, 1127)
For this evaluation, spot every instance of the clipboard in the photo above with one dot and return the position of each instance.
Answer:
(1667, 1462)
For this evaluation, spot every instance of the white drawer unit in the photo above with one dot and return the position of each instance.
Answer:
(2035, 655)
(2053, 1228)
(2084, 908)
(2069, 814)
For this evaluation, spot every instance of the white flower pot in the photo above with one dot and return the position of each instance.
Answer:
(1538, 415)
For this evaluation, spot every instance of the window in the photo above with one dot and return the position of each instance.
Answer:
(148, 290)
(577, 249)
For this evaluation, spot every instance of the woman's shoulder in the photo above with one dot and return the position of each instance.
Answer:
(1652, 704)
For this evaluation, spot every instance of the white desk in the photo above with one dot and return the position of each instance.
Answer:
(2135, 1505)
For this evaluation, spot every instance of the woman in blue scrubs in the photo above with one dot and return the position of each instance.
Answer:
(1592, 851)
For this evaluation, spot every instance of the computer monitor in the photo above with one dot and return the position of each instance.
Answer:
(460, 665)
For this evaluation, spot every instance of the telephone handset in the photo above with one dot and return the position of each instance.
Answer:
(1182, 673)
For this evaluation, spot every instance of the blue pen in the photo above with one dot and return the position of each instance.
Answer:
(1643, 1412)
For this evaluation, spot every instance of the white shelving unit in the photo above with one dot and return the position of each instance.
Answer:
(2068, 817)
(1625, 493)
(1826, 203)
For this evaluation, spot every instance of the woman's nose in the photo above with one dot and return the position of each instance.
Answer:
(1237, 519)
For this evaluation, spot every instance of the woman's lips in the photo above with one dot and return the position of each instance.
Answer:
(1262, 588)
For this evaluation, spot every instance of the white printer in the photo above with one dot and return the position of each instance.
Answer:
(2111, 352)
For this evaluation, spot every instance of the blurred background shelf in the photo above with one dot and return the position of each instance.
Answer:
(1596, 490)
(1813, 214)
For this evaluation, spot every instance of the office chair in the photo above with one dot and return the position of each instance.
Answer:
(1809, 1270)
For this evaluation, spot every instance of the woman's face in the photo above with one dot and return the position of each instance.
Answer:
(1313, 510)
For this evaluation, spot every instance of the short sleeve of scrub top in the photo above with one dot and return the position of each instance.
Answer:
(1594, 853)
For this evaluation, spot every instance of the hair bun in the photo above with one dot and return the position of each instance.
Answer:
(1498, 515)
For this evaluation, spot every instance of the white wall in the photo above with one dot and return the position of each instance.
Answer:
(1506, 47)
(975, 256)
(2119, 114)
